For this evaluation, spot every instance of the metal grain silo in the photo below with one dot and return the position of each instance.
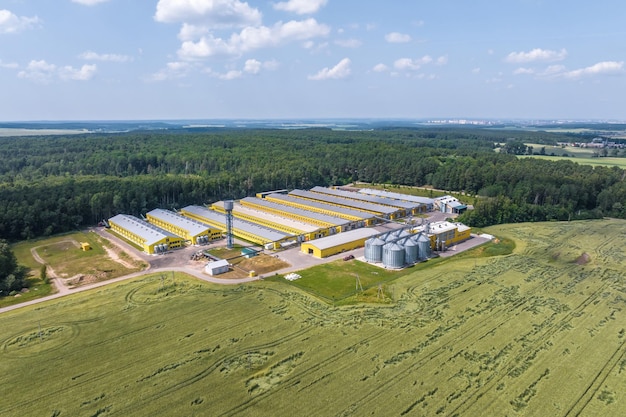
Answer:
(374, 250)
(423, 244)
(411, 251)
(393, 255)
(389, 237)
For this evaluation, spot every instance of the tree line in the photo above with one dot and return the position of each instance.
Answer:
(53, 184)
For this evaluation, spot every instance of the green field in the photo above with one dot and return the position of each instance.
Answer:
(541, 332)
(583, 156)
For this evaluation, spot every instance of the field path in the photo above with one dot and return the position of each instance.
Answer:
(60, 286)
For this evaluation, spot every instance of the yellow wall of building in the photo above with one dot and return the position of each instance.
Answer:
(450, 237)
(310, 248)
(171, 242)
(184, 233)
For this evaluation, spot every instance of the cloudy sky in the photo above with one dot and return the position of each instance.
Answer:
(211, 59)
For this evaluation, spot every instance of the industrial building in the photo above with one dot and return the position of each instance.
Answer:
(405, 208)
(427, 203)
(332, 245)
(449, 204)
(377, 210)
(217, 267)
(304, 231)
(150, 238)
(357, 218)
(446, 234)
(191, 230)
(333, 224)
(251, 232)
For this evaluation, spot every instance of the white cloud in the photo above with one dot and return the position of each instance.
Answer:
(43, 72)
(251, 38)
(601, 68)
(380, 68)
(215, 13)
(442, 60)
(172, 70)
(93, 56)
(10, 65)
(536, 54)
(405, 64)
(39, 71)
(89, 2)
(341, 70)
(84, 73)
(395, 37)
(11, 23)
(300, 6)
(348, 43)
(230, 75)
(190, 32)
(476, 70)
(523, 71)
(252, 66)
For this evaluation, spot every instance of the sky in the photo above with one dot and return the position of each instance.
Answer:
(312, 59)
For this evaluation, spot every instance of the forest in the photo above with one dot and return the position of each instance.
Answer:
(53, 184)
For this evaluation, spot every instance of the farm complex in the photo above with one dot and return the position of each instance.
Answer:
(323, 221)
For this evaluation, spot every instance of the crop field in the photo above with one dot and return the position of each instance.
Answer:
(538, 332)
(583, 156)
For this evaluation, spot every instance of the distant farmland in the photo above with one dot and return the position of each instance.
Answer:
(539, 332)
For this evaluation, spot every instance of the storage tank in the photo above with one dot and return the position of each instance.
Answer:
(423, 244)
(374, 250)
(389, 236)
(393, 255)
(404, 233)
(411, 252)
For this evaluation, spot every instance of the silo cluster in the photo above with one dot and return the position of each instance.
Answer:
(397, 249)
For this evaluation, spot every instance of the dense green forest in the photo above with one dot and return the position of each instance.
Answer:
(52, 184)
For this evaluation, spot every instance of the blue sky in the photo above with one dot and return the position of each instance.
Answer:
(212, 59)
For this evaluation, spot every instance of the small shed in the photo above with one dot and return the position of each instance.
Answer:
(217, 267)
(85, 246)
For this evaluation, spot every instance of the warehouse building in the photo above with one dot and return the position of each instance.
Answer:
(150, 238)
(405, 208)
(378, 210)
(304, 231)
(427, 203)
(357, 218)
(449, 204)
(217, 267)
(191, 230)
(333, 224)
(332, 245)
(251, 232)
(446, 234)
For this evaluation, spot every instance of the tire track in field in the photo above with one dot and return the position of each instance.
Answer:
(511, 364)
(132, 408)
(598, 381)
(295, 377)
(83, 381)
(470, 334)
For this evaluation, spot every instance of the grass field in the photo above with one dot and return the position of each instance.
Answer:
(63, 252)
(541, 332)
(583, 156)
